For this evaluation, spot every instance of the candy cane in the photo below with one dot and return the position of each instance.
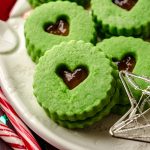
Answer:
(20, 127)
(11, 138)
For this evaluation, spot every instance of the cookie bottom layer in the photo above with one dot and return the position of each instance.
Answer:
(120, 109)
(89, 121)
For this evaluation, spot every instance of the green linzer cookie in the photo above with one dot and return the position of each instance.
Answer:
(122, 17)
(74, 81)
(36, 3)
(55, 22)
(130, 54)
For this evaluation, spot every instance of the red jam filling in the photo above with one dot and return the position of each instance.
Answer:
(73, 79)
(127, 63)
(61, 27)
(125, 4)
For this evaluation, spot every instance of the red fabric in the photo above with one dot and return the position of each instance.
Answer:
(5, 8)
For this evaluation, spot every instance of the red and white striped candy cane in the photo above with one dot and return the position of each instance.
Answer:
(11, 138)
(20, 127)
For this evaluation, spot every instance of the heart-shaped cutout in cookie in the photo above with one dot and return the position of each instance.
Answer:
(125, 4)
(61, 27)
(73, 79)
(127, 63)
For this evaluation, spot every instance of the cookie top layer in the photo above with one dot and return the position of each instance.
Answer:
(81, 26)
(118, 21)
(86, 99)
(117, 48)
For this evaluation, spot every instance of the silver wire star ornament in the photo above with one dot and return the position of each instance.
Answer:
(135, 124)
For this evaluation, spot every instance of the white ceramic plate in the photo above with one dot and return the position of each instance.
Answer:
(16, 76)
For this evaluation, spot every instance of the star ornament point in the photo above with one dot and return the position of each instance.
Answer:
(135, 123)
